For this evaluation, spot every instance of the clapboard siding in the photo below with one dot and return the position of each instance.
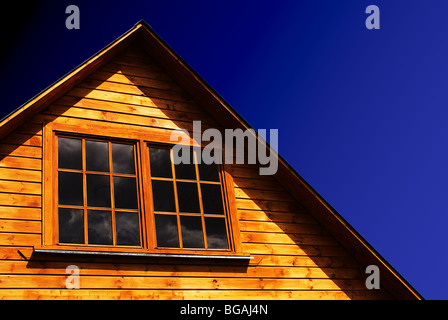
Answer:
(294, 257)
(189, 294)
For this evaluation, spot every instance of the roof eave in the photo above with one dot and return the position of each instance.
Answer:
(64, 84)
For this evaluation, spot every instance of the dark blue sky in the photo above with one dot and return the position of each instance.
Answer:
(362, 114)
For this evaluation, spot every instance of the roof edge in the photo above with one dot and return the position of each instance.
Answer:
(66, 82)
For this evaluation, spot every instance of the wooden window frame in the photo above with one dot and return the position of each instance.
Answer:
(110, 174)
(200, 214)
(140, 140)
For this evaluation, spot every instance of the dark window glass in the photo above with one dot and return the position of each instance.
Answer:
(127, 227)
(216, 233)
(123, 158)
(69, 153)
(98, 191)
(99, 227)
(211, 198)
(191, 228)
(160, 162)
(163, 196)
(71, 225)
(70, 188)
(186, 169)
(125, 193)
(166, 231)
(187, 195)
(97, 156)
(208, 172)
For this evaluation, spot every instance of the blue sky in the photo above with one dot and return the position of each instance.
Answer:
(362, 114)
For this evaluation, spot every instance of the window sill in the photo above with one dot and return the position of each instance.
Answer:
(140, 254)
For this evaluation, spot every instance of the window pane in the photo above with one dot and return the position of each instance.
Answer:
(97, 156)
(70, 188)
(127, 227)
(187, 195)
(191, 228)
(216, 233)
(163, 196)
(99, 227)
(185, 170)
(125, 193)
(69, 153)
(71, 225)
(123, 158)
(211, 198)
(166, 231)
(208, 172)
(160, 162)
(98, 191)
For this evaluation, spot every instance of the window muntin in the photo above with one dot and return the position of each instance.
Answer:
(97, 193)
(188, 202)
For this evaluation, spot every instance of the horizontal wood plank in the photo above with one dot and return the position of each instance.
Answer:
(23, 139)
(155, 112)
(20, 226)
(305, 261)
(119, 77)
(276, 206)
(20, 163)
(20, 151)
(15, 253)
(20, 175)
(147, 71)
(118, 117)
(281, 238)
(58, 294)
(288, 249)
(20, 239)
(118, 130)
(7, 186)
(255, 183)
(24, 213)
(135, 90)
(20, 200)
(255, 194)
(264, 215)
(34, 129)
(250, 172)
(163, 270)
(280, 227)
(134, 99)
(214, 283)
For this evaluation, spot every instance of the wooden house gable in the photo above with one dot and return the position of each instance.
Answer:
(138, 91)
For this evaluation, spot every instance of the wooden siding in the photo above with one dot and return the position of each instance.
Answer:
(294, 256)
